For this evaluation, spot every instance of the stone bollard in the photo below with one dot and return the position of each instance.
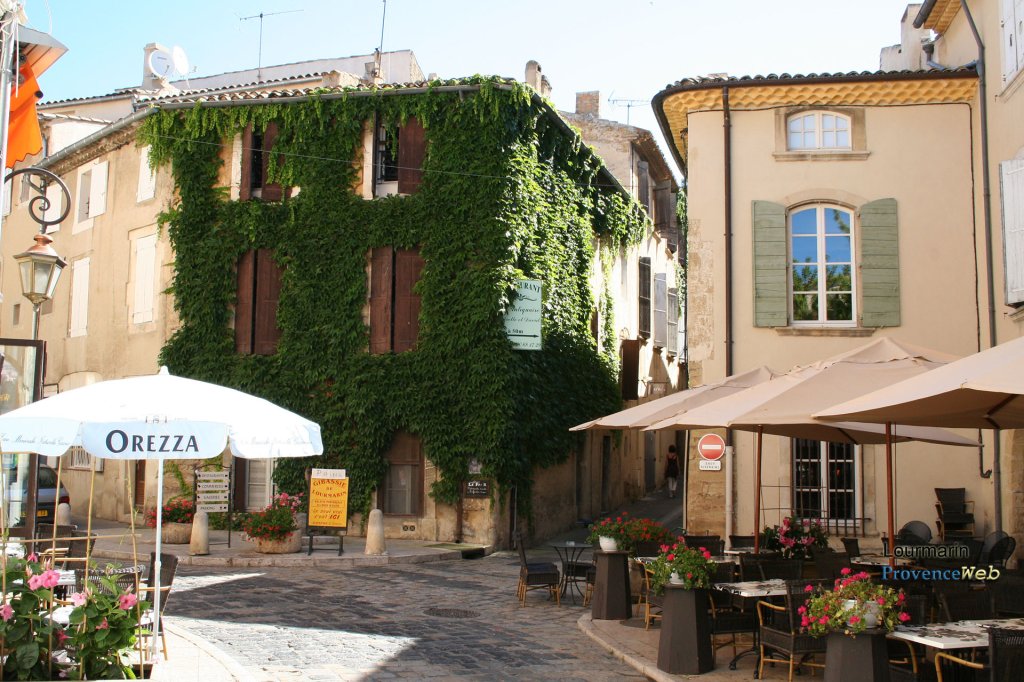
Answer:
(63, 514)
(375, 533)
(200, 543)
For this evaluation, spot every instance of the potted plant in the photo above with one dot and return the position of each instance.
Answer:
(274, 530)
(176, 520)
(94, 641)
(855, 614)
(795, 538)
(684, 574)
(610, 533)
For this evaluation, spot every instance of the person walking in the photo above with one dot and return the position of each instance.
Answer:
(672, 470)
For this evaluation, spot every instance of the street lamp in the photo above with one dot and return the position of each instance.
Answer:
(40, 268)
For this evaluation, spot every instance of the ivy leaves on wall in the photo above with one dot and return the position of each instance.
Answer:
(507, 193)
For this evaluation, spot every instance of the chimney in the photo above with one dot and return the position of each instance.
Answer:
(589, 103)
(545, 87)
(150, 80)
(533, 75)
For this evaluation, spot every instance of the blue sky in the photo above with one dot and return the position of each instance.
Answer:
(627, 49)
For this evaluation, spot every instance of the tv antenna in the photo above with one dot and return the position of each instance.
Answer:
(628, 103)
(259, 58)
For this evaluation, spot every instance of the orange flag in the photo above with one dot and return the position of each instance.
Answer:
(23, 136)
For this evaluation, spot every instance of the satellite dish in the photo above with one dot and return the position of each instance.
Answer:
(161, 63)
(180, 60)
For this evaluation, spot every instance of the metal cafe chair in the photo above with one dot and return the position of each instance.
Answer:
(781, 637)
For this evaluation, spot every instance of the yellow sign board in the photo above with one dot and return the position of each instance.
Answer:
(328, 498)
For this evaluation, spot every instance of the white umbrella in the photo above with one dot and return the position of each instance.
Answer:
(159, 417)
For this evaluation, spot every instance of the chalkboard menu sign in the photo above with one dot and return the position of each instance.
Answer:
(478, 488)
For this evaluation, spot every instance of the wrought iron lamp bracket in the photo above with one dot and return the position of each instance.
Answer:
(38, 206)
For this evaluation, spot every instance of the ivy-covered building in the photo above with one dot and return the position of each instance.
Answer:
(350, 253)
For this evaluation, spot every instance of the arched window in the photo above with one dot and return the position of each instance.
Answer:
(821, 265)
(818, 130)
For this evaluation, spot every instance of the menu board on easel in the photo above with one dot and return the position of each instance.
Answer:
(328, 503)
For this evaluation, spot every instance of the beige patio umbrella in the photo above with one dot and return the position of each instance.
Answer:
(784, 405)
(647, 413)
(982, 391)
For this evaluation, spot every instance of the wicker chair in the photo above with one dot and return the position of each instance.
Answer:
(780, 632)
(955, 513)
(1005, 658)
(1001, 552)
(536, 575)
(966, 605)
(831, 564)
(906, 662)
(776, 567)
(851, 546)
(168, 568)
(651, 602)
(741, 541)
(914, 533)
(712, 543)
(728, 616)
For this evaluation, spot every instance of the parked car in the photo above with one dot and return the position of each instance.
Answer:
(45, 507)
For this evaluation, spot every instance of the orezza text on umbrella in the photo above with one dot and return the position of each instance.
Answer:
(118, 441)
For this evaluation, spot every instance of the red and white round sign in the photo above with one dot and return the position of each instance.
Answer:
(711, 446)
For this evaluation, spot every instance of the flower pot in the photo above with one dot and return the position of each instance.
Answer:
(176, 533)
(289, 545)
(675, 579)
(871, 612)
(608, 544)
(857, 658)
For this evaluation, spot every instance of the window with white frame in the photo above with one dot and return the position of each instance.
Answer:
(810, 130)
(79, 297)
(91, 195)
(80, 459)
(145, 279)
(1011, 189)
(147, 178)
(1012, 25)
(821, 265)
(825, 479)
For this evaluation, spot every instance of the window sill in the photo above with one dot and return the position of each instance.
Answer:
(857, 332)
(1017, 315)
(822, 156)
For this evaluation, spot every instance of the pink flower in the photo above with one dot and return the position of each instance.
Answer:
(823, 620)
(904, 616)
(846, 571)
(854, 620)
(689, 576)
(35, 582)
(6, 612)
(809, 588)
(32, 557)
(881, 601)
(805, 621)
(61, 636)
(79, 598)
(802, 609)
(707, 555)
(104, 625)
(671, 557)
(49, 579)
(127, 601)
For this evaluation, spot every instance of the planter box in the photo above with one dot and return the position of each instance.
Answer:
(857, 658)
(176, 533)
(685, 643)
(290, 545)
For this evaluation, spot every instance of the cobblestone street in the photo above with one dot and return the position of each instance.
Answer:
(447, 619)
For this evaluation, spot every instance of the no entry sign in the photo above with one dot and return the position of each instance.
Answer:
(711, 446)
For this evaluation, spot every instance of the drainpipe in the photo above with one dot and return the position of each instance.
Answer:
(727, 158)
(986, 193)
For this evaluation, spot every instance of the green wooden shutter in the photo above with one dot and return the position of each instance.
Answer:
(771, 291)
(879, 264)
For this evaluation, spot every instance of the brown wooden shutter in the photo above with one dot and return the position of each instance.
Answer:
(271, 191)
(268, 293)
(644, 298)
(412, 150)
(381, 281)
(630, 375)
(245, 188)
(244, 307)
(408, 267)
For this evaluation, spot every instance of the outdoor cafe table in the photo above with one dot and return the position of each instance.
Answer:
(879, 560)
(570, 553)
(962, 634)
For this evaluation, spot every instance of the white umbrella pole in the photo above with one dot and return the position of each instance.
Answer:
(156, 560)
